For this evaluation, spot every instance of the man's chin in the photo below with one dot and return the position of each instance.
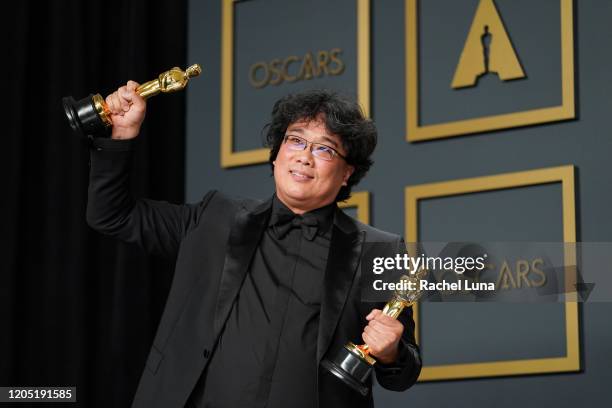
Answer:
(298, 199)
(295, 200)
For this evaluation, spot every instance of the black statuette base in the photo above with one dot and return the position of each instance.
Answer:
(82, 116)
(351, 369)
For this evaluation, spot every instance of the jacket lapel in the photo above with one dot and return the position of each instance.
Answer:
(243, 240)
(343, 260)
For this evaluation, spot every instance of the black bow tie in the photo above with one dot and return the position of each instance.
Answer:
(286, 220)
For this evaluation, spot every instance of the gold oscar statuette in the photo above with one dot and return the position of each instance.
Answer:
(353, 363)
(90, 115)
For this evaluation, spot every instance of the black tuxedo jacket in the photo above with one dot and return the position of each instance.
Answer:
(213, 242)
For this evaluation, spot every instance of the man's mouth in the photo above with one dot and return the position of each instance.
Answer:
(300, 175)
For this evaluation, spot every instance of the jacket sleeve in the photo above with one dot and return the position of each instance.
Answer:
(156, 226)
(404, 372)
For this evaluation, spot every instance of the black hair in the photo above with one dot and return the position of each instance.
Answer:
(342, 116)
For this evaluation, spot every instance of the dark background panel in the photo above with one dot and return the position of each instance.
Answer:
(584, 142)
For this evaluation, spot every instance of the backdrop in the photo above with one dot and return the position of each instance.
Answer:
(428, 37)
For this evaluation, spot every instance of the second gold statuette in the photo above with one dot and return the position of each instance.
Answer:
(353, 363)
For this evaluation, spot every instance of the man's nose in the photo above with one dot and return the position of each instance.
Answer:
(305, 156)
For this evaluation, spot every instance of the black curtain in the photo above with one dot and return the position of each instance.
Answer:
(79, 309)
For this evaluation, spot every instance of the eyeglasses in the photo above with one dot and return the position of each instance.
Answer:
(318, 150)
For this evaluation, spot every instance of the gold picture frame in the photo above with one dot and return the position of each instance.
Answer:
(231, 158)
(564, 175)
(360, 200)
(416, 132)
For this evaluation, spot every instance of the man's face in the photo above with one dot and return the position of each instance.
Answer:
(305, 182)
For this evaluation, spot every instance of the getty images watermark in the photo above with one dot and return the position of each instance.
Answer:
(405, 263)
(535, 272)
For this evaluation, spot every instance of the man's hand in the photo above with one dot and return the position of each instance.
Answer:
(382, 335)
(127, 111)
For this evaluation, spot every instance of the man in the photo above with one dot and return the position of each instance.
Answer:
(262, 291)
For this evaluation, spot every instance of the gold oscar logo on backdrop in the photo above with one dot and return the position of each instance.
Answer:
(487, 49)
(311, 65)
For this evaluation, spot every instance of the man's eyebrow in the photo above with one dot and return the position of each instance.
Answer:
(298, 130)
(331, 141)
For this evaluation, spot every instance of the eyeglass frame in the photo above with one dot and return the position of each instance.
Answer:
(312, 144)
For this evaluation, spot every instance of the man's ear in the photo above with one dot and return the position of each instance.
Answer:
(347, 174)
